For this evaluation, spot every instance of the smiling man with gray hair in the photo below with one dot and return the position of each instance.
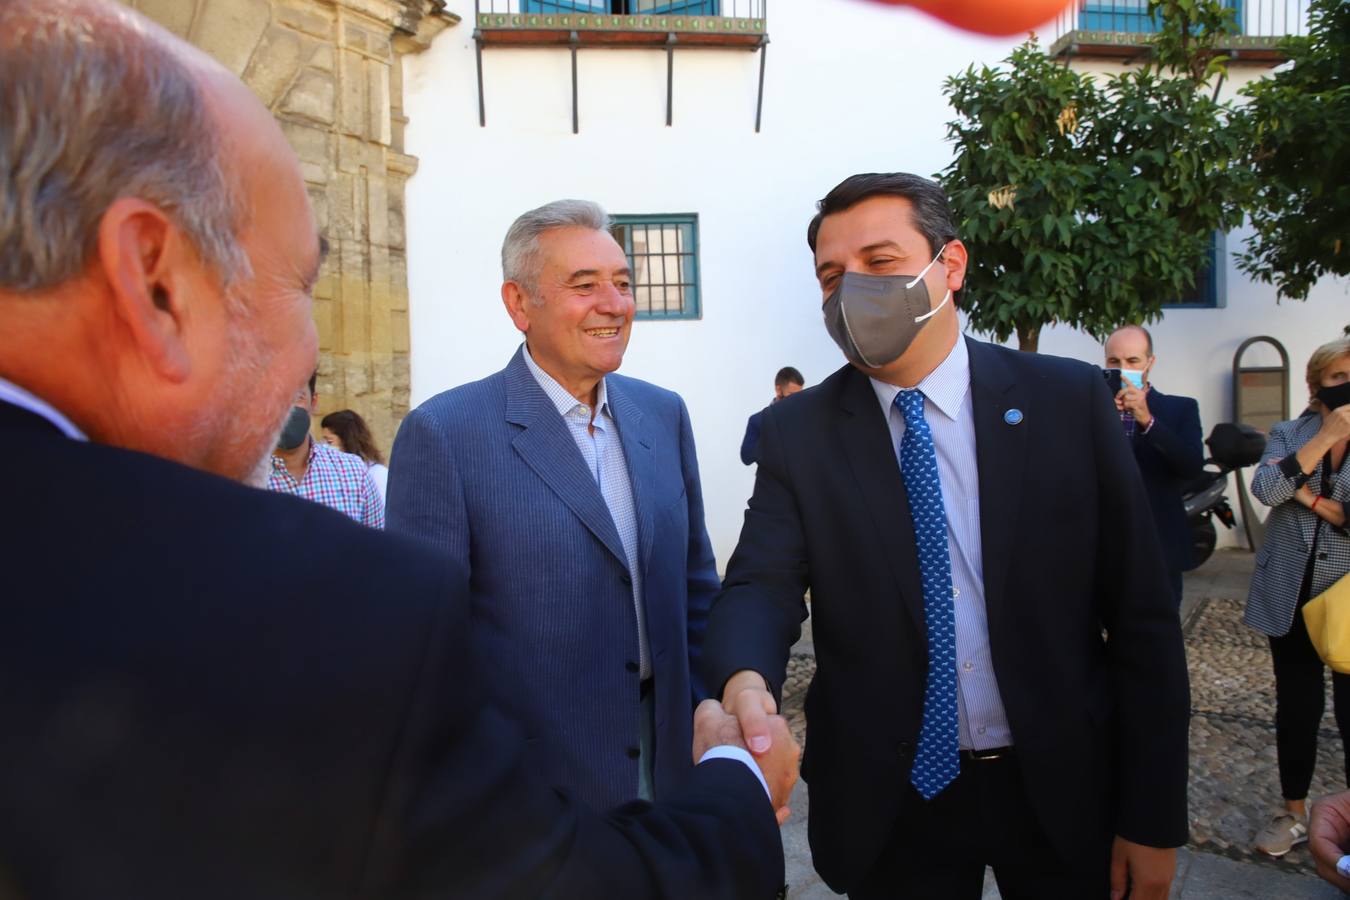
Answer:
(572, 494)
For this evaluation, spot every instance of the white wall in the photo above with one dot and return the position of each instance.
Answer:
(850, 87)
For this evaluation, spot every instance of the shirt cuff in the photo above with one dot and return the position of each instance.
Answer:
(1149, 426)
(1290, 467)
(727, 751)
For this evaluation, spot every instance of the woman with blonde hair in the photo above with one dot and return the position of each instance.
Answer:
(1307, 549)
(347, 431)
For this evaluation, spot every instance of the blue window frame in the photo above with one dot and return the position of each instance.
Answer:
(1211, 281)
(663, 253)
(1131, 16)
(625, 7)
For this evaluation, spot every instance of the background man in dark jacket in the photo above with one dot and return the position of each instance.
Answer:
(787, 382)
(1164, 433)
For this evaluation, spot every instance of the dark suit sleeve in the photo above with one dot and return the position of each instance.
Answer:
(425, 498)
(465, 816)
(701, 566)
(1177, 437)
(759, 614)
(749, 443)
(1146, 658)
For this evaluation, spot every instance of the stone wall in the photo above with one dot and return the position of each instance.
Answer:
(330, 71)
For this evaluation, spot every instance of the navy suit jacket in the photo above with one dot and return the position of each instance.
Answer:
(489, 474)
(750, 443)
(1084, 633)
(1169, 456)
(214, 692)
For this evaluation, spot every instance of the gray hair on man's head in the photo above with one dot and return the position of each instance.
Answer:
(520, 250)
(94, 108)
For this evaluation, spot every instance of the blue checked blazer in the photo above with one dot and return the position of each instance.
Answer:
(490, 475)
(1283, 558)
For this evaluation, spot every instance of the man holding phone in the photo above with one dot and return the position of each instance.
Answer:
(1164, 433)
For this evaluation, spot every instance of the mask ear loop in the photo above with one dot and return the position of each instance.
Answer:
(932, 312)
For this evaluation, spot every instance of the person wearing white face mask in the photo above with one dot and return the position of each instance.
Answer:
(1165, 435)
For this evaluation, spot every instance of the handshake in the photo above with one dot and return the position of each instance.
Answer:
(748, 718)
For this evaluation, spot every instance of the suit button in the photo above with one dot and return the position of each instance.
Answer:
(1321, 556)
(634, 752)
(631, 666)
(626, 578)
(905, 749)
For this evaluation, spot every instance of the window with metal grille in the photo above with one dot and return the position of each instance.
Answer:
(663, 252)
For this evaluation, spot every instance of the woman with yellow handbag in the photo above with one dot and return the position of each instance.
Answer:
(1306, 551)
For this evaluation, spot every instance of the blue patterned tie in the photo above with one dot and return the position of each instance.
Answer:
(937, 761)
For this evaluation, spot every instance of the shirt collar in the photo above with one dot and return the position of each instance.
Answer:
(279, 464)
(562, 399)
(945, 387)
(13, 394)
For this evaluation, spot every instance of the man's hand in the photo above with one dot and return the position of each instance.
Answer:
(1329, 836)
(1145, 871)
(747, 697)
(713, 727)
(1135, 402)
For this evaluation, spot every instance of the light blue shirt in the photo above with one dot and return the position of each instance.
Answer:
(597, 437)
(948, 412)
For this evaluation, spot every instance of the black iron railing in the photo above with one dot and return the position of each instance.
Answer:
(1251, 18)
(734, 9)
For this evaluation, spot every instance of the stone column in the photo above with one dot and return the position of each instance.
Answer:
(331, 72)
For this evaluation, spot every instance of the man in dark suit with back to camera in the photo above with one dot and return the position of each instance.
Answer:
(787, 382)
(1000, 674)
(1164, 433)
(208, 690)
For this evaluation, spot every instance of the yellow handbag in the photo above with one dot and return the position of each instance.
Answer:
(1328, 619)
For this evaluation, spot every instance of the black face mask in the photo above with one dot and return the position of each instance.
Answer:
(296, 429)
(1335, 396)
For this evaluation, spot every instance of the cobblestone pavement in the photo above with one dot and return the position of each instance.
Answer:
(1234, 784)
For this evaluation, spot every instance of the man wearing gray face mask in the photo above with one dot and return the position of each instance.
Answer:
(1000, 673)
(312, 469)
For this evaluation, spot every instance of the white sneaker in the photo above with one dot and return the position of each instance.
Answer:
(1282, 834)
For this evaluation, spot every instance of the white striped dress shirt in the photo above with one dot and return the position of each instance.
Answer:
(602, 451)
(948, 412)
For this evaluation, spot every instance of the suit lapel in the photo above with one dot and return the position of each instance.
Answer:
(547, 447)
(636, 439)
(1000, 451)
(871, 456)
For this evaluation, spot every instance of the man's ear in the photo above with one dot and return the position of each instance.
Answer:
(516, 303)
(145, 259)
(954, 260)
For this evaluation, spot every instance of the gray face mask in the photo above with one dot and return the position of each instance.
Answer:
(874, 318)
(296, 429)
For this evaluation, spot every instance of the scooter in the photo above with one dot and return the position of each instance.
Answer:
(1232, 446)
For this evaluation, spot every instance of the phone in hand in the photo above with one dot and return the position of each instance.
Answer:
(1113, 382)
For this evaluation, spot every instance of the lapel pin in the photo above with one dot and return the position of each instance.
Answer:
(1013, 417)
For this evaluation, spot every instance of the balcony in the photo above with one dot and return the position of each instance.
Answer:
(621, 23)
(1121, 30)
(659, 24)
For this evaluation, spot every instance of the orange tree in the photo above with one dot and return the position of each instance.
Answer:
(1091, 204)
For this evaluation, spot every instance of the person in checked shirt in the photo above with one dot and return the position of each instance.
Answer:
(312, 469)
